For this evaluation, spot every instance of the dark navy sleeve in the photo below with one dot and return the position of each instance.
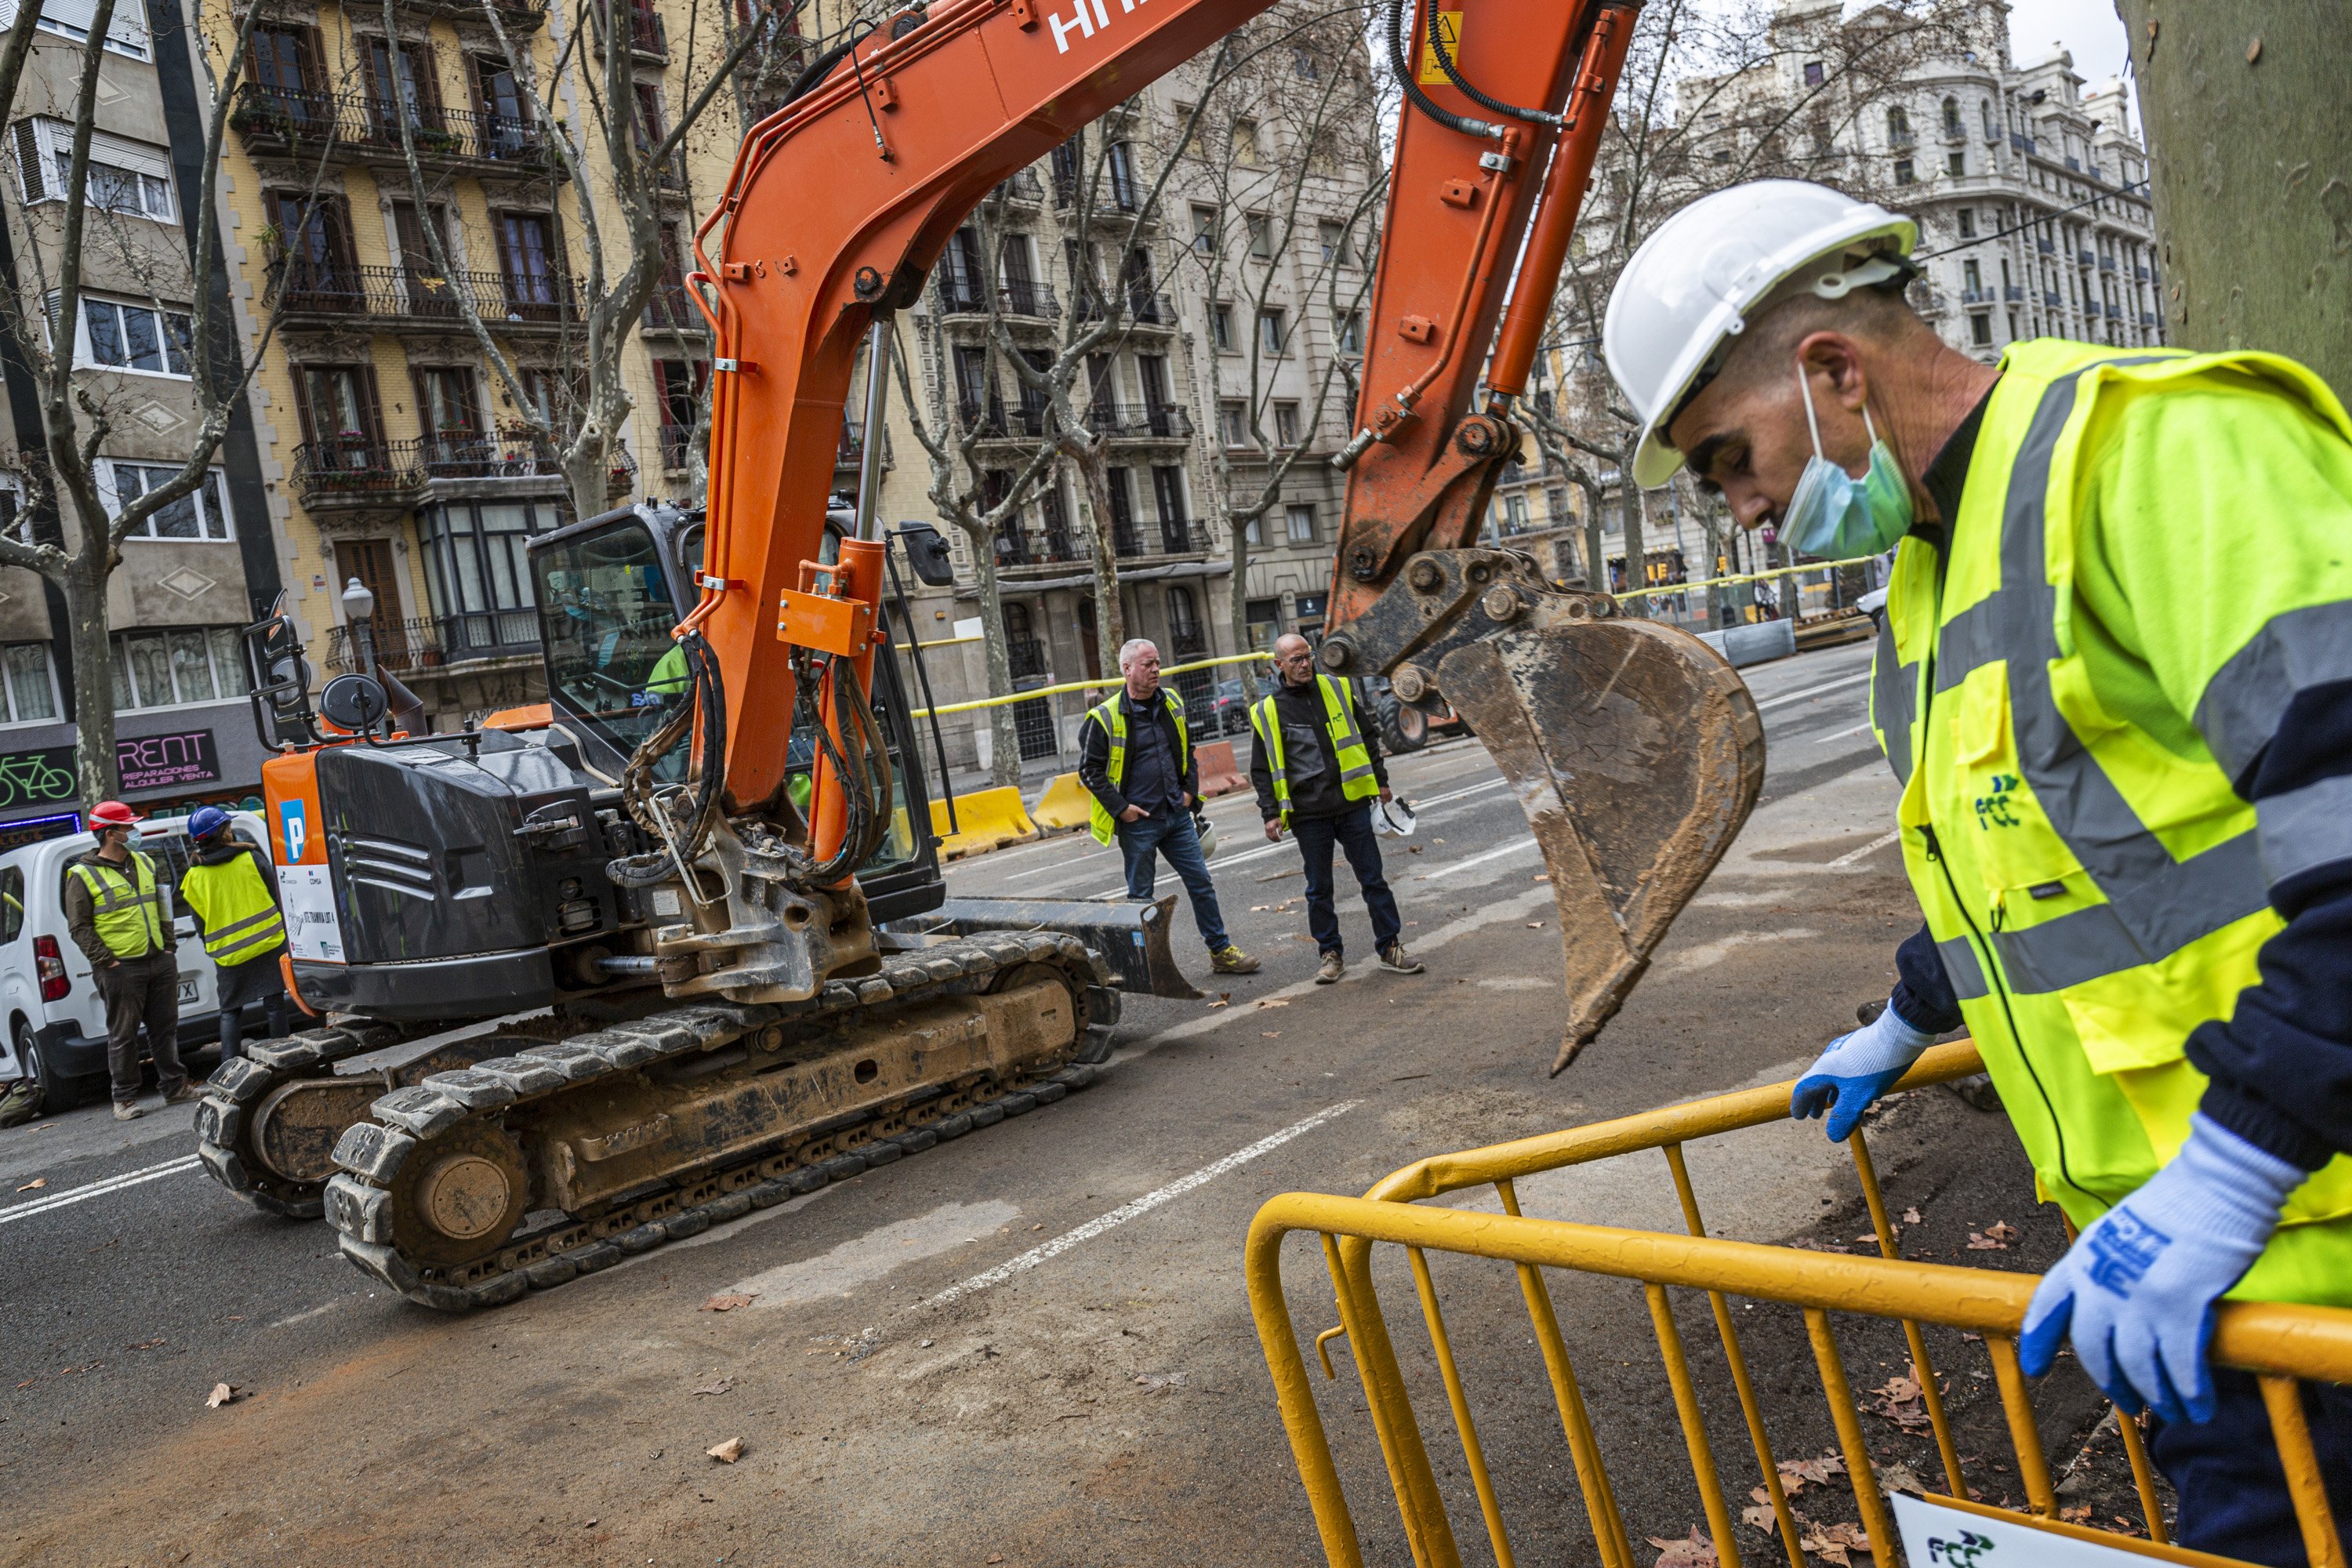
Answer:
(2282, 1065)
(1923, 993)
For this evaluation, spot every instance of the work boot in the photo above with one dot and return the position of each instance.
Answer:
(1231, 960)
(127, 1112)
(1333, 967)
(189, 1089)
(1397, 960)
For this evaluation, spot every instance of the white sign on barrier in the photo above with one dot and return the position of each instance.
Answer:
(1938, 1535)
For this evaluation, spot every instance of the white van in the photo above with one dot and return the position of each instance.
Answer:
(54, 1025)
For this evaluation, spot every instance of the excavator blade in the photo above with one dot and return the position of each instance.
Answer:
(1636, 753)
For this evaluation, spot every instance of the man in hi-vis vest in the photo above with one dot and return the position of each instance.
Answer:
(1136, 760)
(231, 890)
(2116, 686)
(115, 913)
(1316, 767)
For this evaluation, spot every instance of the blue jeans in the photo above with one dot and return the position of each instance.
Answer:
(1172, 834)
(1352, 831)
(2233, 1497)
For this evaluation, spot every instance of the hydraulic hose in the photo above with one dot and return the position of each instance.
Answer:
(1445, 64)
(1419, 100)
(705, 699)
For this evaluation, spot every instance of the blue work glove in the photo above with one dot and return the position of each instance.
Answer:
(1856, 1070)
(2138, 1288)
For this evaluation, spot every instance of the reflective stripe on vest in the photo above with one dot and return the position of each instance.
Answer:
(1112, 717)
(126, 908)
(1357, 780)
(241, 919)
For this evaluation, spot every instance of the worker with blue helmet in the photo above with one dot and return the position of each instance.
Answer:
(232, 892)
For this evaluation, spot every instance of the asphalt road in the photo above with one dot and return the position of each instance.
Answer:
(1030, 1345)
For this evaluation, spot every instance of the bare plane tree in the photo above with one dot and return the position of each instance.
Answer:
(81, 229)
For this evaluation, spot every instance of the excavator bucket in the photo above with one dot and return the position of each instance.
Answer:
(1636, 753)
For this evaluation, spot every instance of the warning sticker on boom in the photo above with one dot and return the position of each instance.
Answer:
(1449, 28)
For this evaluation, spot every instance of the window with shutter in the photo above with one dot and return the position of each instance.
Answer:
(125, 35)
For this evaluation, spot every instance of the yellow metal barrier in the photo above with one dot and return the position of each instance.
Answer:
(2280, 1344)
(988, 819)
(1066, 803)
(1660, 589)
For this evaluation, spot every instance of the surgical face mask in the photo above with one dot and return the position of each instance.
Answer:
(1834, 516)
(132, 838)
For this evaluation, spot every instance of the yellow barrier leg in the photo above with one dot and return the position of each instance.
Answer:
(1859, 1469)
(1702, 1454)
(1583, 1446)
(1419, 1503)
(1921, 1367)
(2143, 1478)
(1471, 1453)
(2284, 1396)
(2024, 1437)
(1738, 1360)
(1262, 1274)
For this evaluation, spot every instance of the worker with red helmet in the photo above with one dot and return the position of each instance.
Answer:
(115, 914)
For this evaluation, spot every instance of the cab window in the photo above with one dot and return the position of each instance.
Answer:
(12, 904)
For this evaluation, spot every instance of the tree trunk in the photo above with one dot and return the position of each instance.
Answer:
(1238, 596)
(587, 473)
(96, 775)
(1004, 746)
(2242, 107)
(1111, 615)
(1596, 548)
(1629, 511)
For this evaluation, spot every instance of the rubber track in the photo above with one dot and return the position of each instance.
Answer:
(240, 1082)
(358, 1199)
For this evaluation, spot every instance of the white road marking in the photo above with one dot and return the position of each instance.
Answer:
(1706, 955)
(320, 1310)
(877, 1252)
(99, 1189)
(1812, 690)
(1850, 855)
(1060, 866)
(1516, 847)
(1842, 734)
(1140, 1207)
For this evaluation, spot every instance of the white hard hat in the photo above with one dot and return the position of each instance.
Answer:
(1694, 282)
(1394, 818)
(1208, 834)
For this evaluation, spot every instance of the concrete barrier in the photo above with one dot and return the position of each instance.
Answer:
(1066, 803)
(1753, 643)
(986, 819)
(1221, 772)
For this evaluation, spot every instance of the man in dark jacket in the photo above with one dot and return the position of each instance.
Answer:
(232, 893)
(1316, 766)
(1137, 762)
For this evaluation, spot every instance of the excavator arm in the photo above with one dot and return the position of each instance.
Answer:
(1632, 747)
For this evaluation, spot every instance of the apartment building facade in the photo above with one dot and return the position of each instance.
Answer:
(393, 453)
(1227, 288)
(198, 570)
(2031, 189)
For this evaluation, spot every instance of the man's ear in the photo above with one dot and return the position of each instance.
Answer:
(1836, 358)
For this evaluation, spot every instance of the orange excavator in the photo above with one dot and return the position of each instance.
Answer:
(695, 911)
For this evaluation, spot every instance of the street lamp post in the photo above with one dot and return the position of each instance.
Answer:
(359, 609)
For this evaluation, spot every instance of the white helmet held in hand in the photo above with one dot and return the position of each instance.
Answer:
(1394, 818)
(1208, 832)
(1695, 283)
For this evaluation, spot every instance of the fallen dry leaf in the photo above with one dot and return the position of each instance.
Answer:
(1413, 848)
(1898, 1401)
(1832, 1542)
(1695, 1552)
(1981, 1241)
(1796, 1473)
(2075, 1515)
(725, 1453)
(1760, 1518)
(35, 1185)
(996, 1557)
(1899, 1476)
(726, 1303)
(143, 1345)
(1271, 1001)
(1807, 1244)
(221, 1394)
(1271, 1033)
(1221, 1002)
(721, 1386)
(1543, 877)
(1535, 925)
(1911, 1216)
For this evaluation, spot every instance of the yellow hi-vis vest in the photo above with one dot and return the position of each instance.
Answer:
(1348, 751)
(241, 920)
(2149, 551)
(1112, 717)
(127, 909)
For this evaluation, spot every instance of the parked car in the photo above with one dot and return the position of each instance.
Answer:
(1874, 605)
(1229, 709)
(56, 1024)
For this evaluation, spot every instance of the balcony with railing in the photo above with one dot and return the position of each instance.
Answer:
(1975, 296)
(671, 312)
(1024, 299)
(1143, 421)
(423, 644)
(2013, 292)
(1133, 540)
(1025, 188)
(2087, 258)
(352, 472)
(364, 128)
(329, 295)
(1142, 307)
(2106, 264)
(515, 15)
